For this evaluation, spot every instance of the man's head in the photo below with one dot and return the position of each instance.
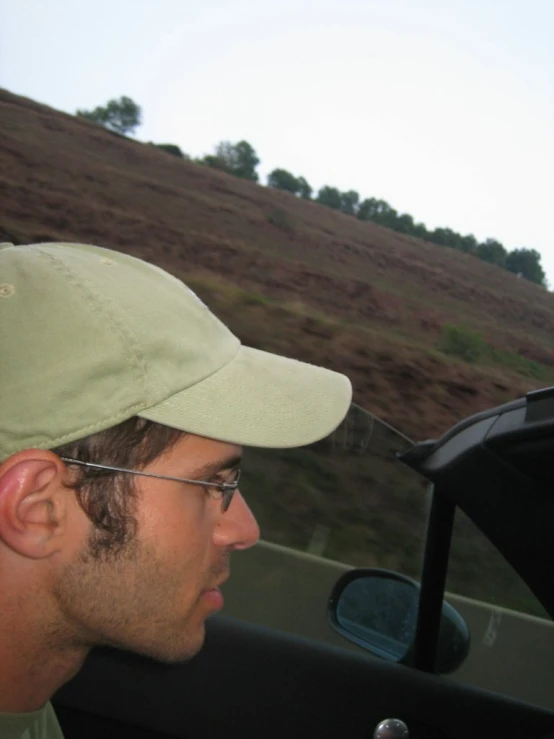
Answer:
(107, 360)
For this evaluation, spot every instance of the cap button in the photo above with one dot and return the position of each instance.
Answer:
(6, 290)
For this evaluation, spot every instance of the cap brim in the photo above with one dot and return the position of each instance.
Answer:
(260, 399)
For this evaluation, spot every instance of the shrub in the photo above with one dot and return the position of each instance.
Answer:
(280, 219)
(521, 365)
(246, 298)
(171, 149)
(463, 343)
(472, 347)
(121, 116)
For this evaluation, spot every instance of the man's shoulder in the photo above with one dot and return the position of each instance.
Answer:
(41, 724)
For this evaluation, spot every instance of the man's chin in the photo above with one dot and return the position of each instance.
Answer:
(175, 652)
(167, 652)
(175, 658)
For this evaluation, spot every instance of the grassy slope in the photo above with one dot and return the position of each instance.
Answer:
(329, 289)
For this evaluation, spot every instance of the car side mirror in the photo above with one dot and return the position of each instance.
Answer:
(377, 610)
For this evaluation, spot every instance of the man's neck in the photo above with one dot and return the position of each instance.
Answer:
(34, 664)
(26, 684)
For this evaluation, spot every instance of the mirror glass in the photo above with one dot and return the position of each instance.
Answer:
(377, 610)
(389, 624)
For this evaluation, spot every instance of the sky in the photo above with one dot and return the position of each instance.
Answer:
(443, 108)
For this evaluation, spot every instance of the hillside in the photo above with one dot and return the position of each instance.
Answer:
(287, 275)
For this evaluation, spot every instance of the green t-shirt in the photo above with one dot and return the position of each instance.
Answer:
(41, 724)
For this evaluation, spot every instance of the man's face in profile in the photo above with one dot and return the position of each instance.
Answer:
(154, 595)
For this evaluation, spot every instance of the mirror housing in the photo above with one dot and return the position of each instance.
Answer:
(377, 610)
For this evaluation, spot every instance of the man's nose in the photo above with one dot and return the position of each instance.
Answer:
(237, 527)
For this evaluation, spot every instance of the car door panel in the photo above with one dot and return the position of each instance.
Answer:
(257, 682)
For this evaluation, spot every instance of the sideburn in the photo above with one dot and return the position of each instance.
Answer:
(107, 498)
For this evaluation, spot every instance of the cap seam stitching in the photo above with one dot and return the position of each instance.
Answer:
(84, 430)
(85, 288)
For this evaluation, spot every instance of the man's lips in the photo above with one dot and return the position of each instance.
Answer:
(213, 597)
(218, 583)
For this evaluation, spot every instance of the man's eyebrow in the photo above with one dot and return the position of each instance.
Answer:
(214, 467)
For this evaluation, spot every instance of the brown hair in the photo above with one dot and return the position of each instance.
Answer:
(109, 498)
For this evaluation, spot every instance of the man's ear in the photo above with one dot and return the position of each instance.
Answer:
(33, 503)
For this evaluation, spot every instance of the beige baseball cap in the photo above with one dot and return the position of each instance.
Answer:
(90, 337)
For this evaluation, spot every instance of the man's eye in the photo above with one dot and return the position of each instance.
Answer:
(230, 476)
(218, 480)
(214, 490)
